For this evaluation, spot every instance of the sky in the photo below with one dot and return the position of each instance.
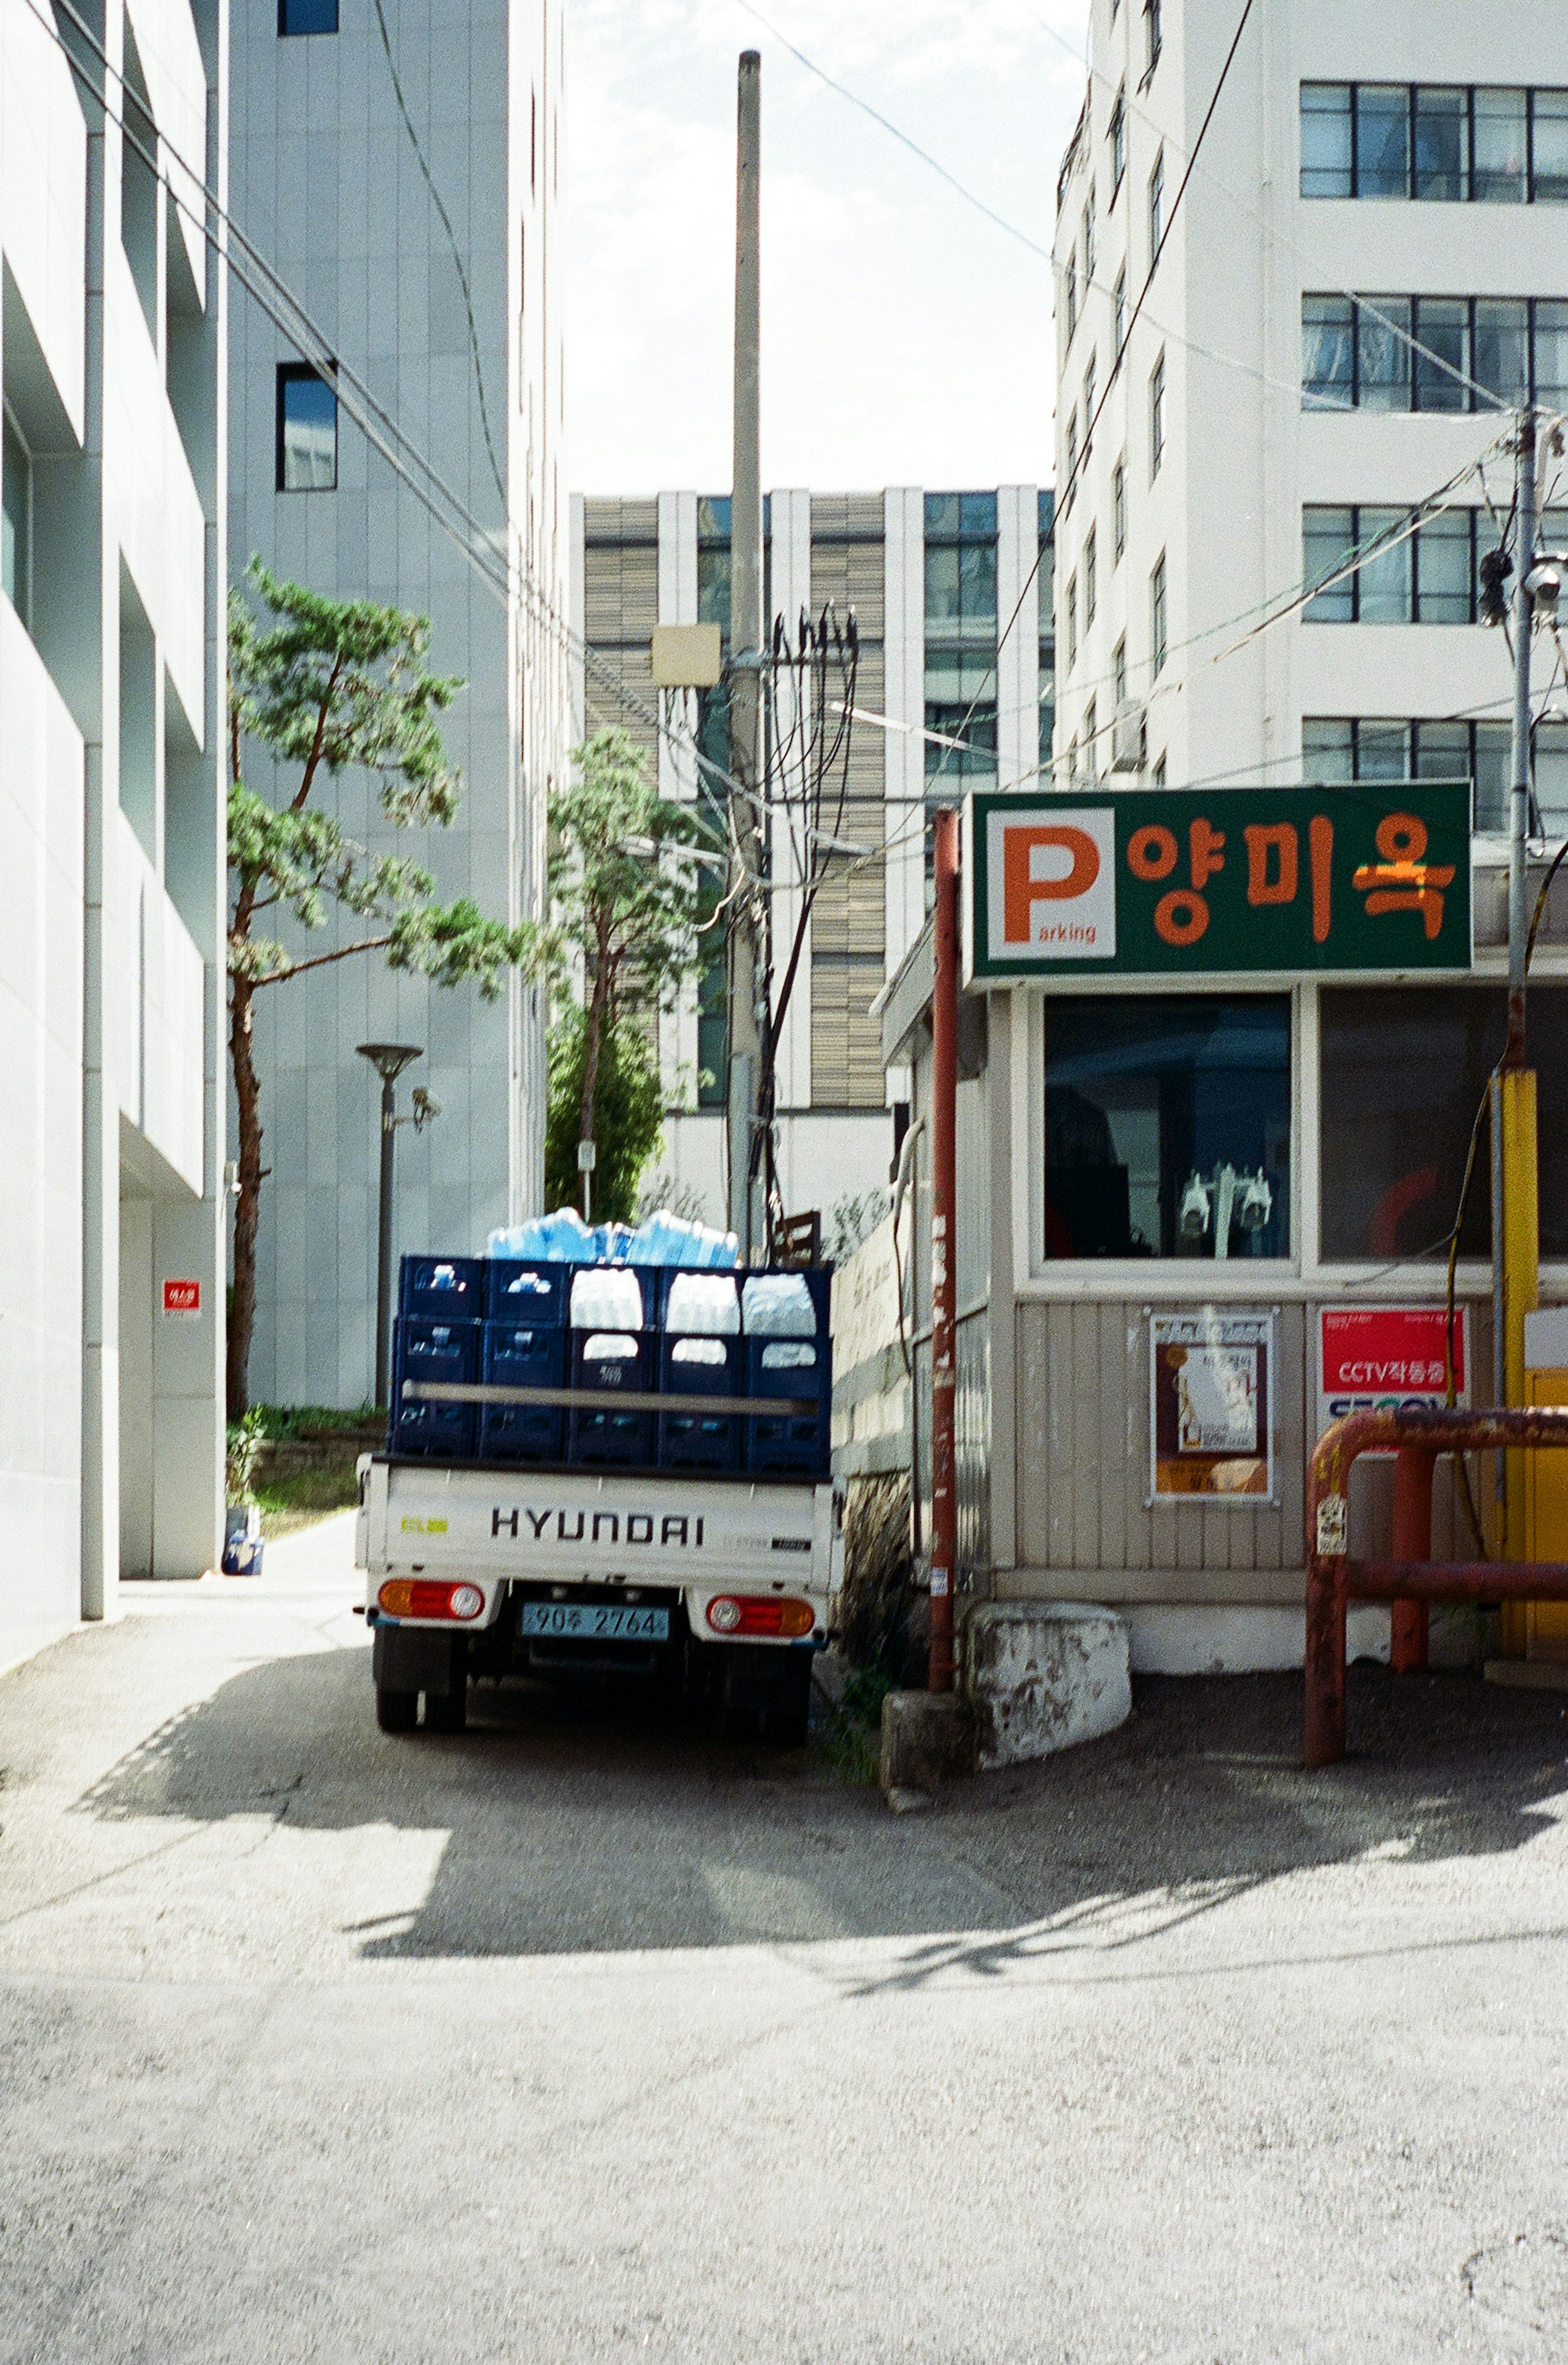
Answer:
(906, 339)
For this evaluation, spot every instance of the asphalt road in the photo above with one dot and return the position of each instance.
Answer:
(585, 2037)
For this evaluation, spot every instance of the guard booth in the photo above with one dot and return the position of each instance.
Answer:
(1221, 1055)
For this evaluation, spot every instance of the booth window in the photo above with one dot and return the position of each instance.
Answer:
(1168, 1126)
(1404, 1073)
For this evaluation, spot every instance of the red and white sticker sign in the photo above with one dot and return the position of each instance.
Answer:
(182, 1297)
(1380, 1358)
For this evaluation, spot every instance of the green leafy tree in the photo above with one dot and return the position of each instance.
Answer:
(629, 1108)
(324, 685)
(625, 906)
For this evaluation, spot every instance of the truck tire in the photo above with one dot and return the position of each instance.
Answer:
(396, 1712)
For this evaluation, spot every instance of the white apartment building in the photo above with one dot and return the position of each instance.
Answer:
(1367, 263)
(420, 231)
(111, 966)
(933, 577)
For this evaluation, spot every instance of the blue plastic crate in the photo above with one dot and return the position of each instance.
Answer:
(612, 1364)
(444, 1289)
(522, 1355)
(789, 1445)
(434, 1351)
(532, 1294)
(695, 1366)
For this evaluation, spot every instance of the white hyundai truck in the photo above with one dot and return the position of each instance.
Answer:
(477, 1572)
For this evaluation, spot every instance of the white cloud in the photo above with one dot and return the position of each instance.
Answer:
(906, 339)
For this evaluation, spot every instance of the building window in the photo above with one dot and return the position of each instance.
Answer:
(1432, 353)
(1118, 511)
(1168, 1126)
(15, 519)
(1072, 293)
(1091, 742)
(1157, 777)
(1424, 575)
(1088, 240)
(1119, 672)
(1437, 143)
(1156, 638)
(960, 635)
(1071, 451)
(1156, 208)
(1155, 34)
(1118, 138)
(1119, 309)
(1156, 418)
(306, 430)
(307, 16)
(1091, 576)
(1046, 507)
(1403, 1070)
(1337, 752)
(1072, 621)
(1089, 414)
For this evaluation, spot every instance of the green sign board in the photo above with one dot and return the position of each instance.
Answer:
(1161, 882)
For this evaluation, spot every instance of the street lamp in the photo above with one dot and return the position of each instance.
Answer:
(388, 1060)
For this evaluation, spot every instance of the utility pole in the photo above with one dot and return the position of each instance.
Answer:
(746, 665)
(944, 1246)
(1516, 1244)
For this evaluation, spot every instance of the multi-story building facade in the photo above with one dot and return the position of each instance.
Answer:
(404, 173)
(928, 576)
(1366, 270)
(111, 973)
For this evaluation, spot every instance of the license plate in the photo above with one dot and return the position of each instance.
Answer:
(592, 1621)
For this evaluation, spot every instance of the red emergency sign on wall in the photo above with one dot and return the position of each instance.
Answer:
(182, 1297)
(1376, 1358)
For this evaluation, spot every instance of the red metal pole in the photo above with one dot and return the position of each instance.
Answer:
(1409, 1618)
(944, 1203)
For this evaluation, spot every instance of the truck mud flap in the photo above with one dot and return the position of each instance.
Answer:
(413, 1659)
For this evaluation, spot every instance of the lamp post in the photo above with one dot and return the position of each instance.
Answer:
(388, 1060)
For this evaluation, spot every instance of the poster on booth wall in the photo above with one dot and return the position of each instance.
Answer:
(1211, 1411)
(1385, 1359)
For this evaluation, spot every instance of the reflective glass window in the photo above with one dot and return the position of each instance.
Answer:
(1502, 349)
(1493, 750)
(1167, 1127)
(306, 430)
(1550, 354)
(1382, 139)
(1442, 144)
(1327, 537)
(16, 517)
(1385, 577)
(307, 16)
(1382, 353)
(1404, 1070)
(1498, 165)
(1325, 139)
(1551, 777)
(1158, 640)
(1549, 147)
(1382, 750)
(1327, 352)
(1441, 360)
(1445, 569)
(1327, 751)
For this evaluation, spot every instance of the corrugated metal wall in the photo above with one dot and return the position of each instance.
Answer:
(848, 919)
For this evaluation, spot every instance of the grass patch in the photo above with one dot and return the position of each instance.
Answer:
(851, 1740)
(289, 1504)
(314, 1420)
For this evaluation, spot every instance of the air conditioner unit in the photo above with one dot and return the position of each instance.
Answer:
(1128, 737)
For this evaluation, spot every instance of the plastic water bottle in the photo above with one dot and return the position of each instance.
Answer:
(704, 1305)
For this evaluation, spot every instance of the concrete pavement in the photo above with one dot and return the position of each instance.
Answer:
(584, 2035)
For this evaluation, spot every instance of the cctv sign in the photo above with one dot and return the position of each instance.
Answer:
(1157, 882)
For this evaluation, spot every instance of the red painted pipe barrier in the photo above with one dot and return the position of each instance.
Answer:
(1410, 1579)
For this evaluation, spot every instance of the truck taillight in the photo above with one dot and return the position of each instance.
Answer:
(413, 1596)
(761, 1613)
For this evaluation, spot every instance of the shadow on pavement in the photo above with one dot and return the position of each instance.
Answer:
(591, 1824)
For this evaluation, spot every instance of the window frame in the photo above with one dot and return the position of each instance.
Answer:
(1420, 376)
(12, 439)
(1118, 511)
(1154, 210)
(1116, 134)
(288, 32)
(1469, 174)
(1349, 589)
(1157, 416)
(1159, 619)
